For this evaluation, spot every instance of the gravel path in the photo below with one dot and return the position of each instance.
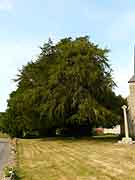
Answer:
(4, 153)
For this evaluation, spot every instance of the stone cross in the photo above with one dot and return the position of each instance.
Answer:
(124, 107)
(126, 139)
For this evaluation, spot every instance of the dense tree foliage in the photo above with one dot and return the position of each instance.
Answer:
(69, 86)
(3, 121)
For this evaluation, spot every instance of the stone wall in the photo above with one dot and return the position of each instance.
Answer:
(131, 109)
(115, 130)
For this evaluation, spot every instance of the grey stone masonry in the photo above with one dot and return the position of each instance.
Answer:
(131, 109)
(131, 103)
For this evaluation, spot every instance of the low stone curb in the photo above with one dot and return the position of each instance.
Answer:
(12, 159)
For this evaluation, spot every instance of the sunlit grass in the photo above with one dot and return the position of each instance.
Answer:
(3, 135)
(75, 159)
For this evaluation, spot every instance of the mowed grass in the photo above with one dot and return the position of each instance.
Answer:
(75, 159)
(3, 135)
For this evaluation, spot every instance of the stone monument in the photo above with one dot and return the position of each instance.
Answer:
(126, 139)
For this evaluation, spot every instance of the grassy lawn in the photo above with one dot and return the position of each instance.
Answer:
(73, 159)
(3, 135)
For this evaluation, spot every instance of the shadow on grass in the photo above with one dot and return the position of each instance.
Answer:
(107, 138)
(18, 178)
(103, 138)
(99, 138)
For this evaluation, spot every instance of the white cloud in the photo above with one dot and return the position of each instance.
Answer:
(6, 5)
(121, 76)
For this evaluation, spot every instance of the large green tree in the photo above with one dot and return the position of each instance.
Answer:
(69, 86)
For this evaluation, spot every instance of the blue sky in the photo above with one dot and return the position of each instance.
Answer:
(26, 24)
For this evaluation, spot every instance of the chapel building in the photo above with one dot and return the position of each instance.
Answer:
(131, 103)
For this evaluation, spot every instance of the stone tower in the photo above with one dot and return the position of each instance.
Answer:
(131, 103)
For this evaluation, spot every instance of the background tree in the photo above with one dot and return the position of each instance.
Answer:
(69, 86)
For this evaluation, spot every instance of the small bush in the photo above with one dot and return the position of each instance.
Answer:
(8, 171)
